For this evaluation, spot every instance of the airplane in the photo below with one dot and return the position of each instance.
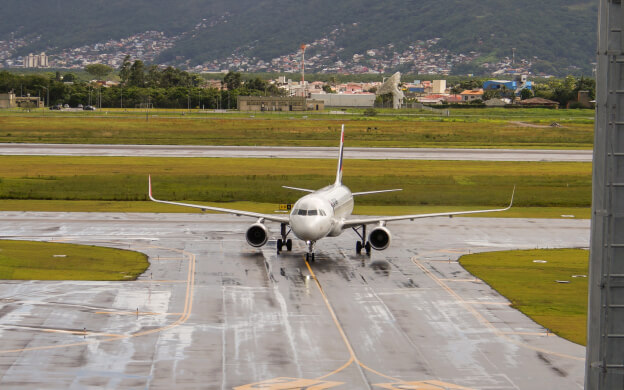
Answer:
(324, 213)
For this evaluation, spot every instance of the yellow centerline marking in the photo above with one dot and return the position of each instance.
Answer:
(353, 357)
(81, 333)
(188, 306)
(483, 320)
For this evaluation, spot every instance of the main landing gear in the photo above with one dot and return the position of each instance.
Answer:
(362, 244)
(281, 242)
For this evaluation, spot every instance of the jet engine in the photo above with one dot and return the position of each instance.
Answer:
(379, 238)
(257, 235)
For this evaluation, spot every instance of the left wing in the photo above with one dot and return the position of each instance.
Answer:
(366, 221)
(268, 217)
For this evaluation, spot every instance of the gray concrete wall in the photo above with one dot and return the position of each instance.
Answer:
(605, 349)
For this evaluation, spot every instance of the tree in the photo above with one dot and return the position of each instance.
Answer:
(584, 84)
(232, 80)
(327, 89)
(124, 70)
(526, 93)
(69, 78)
(492, 94)
(98, 70)
(256, 84)
(137, 74)
(153, 76)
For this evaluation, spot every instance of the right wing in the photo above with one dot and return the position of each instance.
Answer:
(269, 217)
(298, 189)
(367, 221)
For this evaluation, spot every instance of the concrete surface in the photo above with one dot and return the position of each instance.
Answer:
(296, 152)
(213, 313)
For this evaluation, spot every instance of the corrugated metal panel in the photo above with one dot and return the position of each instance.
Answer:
(605, 348)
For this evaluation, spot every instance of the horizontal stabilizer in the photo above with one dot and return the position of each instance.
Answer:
(375, 192)
(298, 189)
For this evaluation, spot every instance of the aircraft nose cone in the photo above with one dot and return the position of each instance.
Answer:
(309, 229)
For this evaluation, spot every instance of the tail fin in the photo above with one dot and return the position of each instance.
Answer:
(339, 171)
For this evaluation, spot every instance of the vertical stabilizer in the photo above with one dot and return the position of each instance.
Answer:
(339, 171)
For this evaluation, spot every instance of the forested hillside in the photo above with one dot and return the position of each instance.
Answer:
(560, 33)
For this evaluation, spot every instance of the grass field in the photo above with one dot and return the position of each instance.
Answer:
(425, 183)
(24, 260)
(532, 288)
(467, 128)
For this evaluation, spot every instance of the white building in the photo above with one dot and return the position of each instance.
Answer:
(439, 86)
(36, 61)
(346, 99)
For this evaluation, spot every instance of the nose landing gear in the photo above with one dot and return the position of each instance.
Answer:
(310, 254)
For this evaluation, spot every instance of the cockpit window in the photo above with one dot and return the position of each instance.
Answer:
(309, 212)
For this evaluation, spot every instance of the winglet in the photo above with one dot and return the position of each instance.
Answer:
(513, 192)
(339, 170)
(149, 186)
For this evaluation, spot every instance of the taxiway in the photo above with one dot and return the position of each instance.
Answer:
(214, 313)
(295, 152)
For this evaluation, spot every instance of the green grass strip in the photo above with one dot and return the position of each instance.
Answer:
(27, 260)
(424, 183)
(485, 129)
(532, 286)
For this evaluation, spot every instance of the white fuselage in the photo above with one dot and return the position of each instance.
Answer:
(322, 213)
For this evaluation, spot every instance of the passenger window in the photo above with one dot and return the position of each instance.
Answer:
(312, 212)
(302, 212)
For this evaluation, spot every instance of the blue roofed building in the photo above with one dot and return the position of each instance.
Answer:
(508, 87)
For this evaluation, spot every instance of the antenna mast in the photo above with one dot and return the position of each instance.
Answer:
(303, 47)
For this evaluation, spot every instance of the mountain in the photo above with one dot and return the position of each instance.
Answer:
(559, 35)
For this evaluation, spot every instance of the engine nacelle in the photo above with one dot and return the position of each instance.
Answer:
(379, 238)
(257, 235)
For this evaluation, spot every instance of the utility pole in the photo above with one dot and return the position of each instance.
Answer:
(303, 88)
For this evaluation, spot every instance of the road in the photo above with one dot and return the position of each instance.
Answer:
(212, 312)
(295, 152)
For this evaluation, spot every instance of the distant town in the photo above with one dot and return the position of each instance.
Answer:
(321, 56)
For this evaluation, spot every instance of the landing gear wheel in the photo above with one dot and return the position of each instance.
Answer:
(289, 245)
(280, 245)
(312, 256)
(358, 247)
(368, 247)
